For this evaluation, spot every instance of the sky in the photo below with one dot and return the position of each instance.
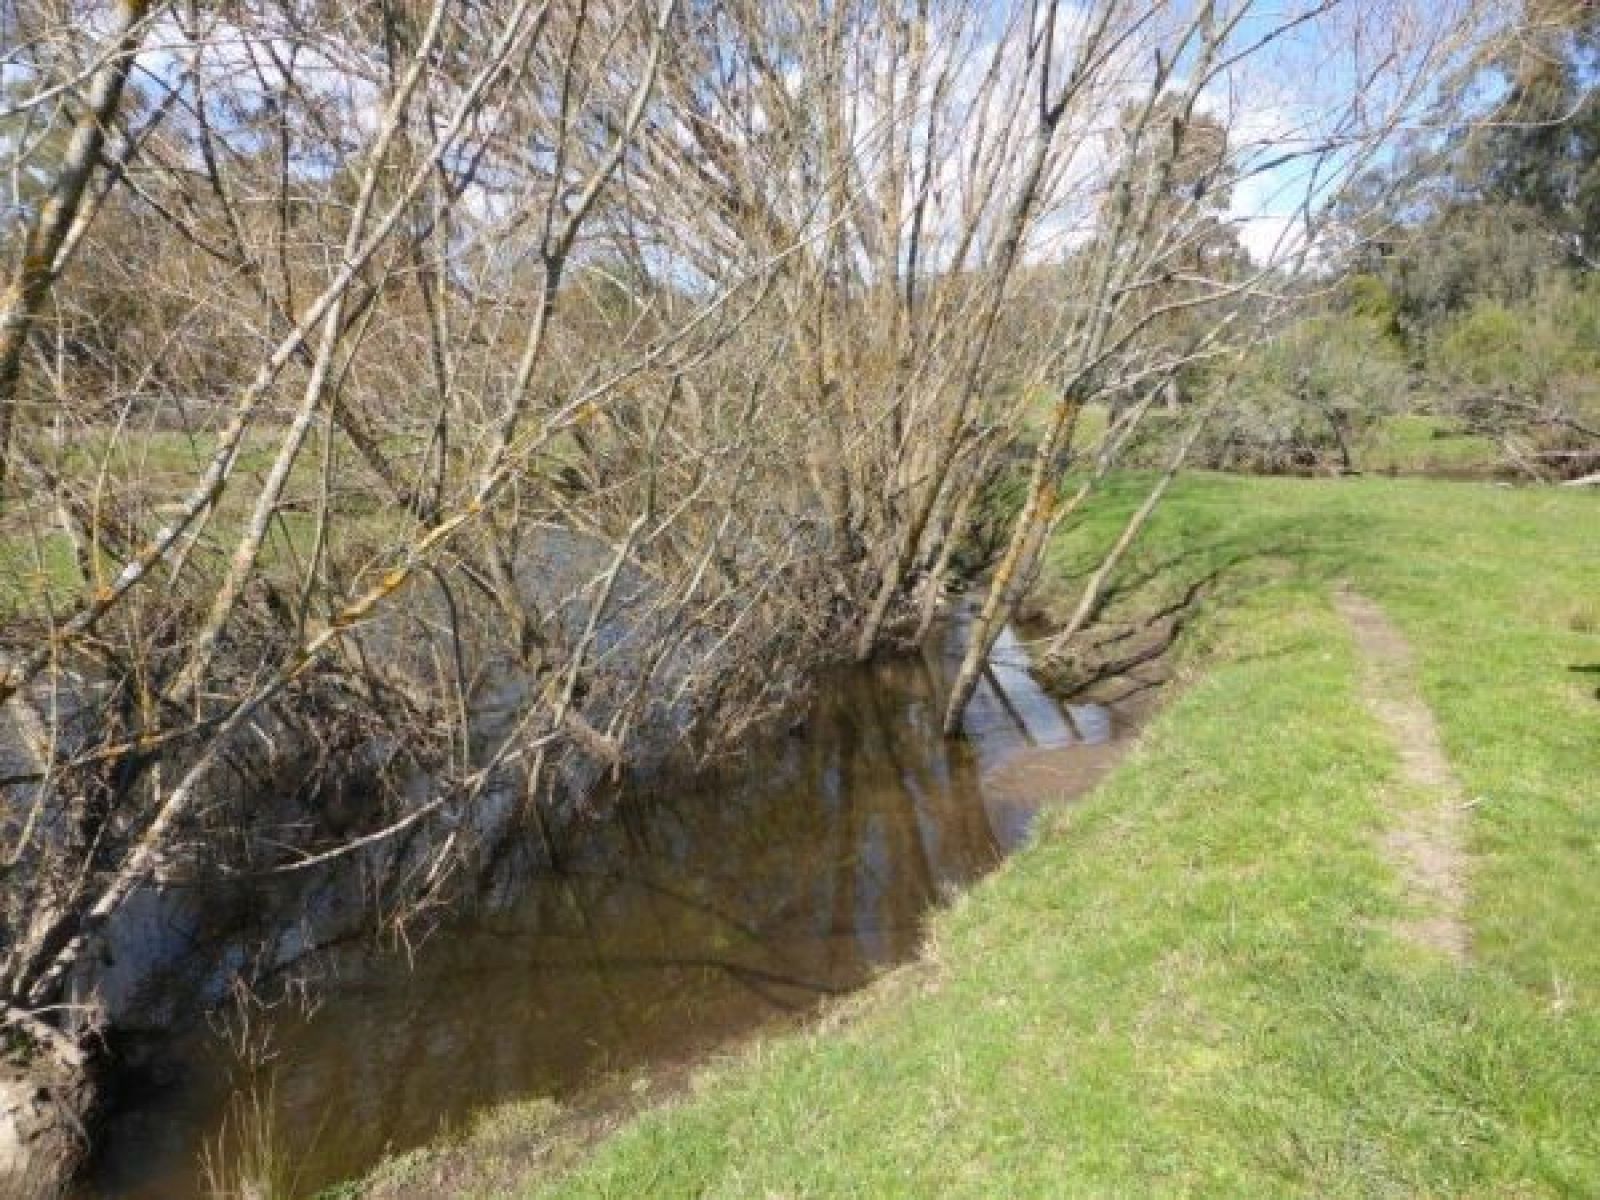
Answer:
(1280, 103)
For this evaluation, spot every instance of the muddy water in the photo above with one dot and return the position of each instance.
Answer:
(692, 914)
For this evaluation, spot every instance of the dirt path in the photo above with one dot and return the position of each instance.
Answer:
(1427, 841)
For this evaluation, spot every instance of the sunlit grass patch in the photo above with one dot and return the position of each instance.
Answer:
(1418, 444)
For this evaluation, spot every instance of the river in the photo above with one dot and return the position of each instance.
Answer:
(689, 914)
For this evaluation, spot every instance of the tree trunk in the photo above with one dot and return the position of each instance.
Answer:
(1015, 564)
(933, 585)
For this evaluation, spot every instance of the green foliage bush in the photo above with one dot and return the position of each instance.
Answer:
(1484, 348)
(1301, 400)
(1371, 299)
(1529, 371)
(1523, 376)
(1493, 252)
(1530, 347)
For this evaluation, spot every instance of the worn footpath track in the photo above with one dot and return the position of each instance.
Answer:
(1427, 841)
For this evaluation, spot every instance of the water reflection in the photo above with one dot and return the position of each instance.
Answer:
(696, 911)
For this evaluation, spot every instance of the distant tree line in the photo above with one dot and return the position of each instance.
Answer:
(1463, 287)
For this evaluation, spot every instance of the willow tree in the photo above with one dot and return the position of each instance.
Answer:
(1349, 78)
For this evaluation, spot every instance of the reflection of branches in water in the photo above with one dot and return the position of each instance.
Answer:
(745, 973)
(688, 901)
(906, 816)
(848, 933)
(1006, 704)
(961, 775)
(1072, 723)
(677, 814)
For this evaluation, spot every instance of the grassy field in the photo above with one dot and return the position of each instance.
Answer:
(1416, 444)
(1398, 444)
(1190, 984)
(144, 468)
(142, 475)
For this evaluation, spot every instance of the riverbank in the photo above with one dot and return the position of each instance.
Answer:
(1207, 977)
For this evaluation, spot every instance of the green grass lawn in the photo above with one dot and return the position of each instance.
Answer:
(1188, 983)
(1417, 444)
(141, 475)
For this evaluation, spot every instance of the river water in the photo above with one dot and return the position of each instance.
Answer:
(691, 914)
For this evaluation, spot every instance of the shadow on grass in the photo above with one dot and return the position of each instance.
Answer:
(1193, 557)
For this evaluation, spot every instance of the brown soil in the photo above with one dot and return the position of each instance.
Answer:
(1426, 844)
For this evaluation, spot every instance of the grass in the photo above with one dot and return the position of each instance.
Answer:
(143, 473)
(1188, 983)
(476, 1160)
(1416, 444)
